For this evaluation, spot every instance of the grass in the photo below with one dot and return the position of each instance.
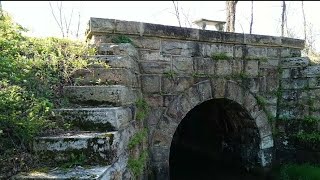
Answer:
(299, 172)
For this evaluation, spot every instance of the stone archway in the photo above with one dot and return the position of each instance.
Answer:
(195, 95)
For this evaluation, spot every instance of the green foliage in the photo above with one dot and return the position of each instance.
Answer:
(75, 160)
(299, 172)
(32, 74)
(22, 114)
(312, 137)
(261, 100)
(137, 165)
(243, 75)
(220, 56)
(142, 109)
(137, 139)
(121, 39)
(195, 74)
(170, 74)
(311, 119)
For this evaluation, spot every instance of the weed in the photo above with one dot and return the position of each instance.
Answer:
(137, 165)
(75, 160)
(313, 137)
(137, 139)
(142, 109)
(261, 100)
(121, 39)
(195, 74)
(311, 119)
(220, 56)
(170, 74)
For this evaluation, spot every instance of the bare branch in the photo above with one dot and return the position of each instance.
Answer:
(60, 15)
(68, 25)
(251, 22)
(77, 34)
(55, 18)
(176, 9)
(186, 16)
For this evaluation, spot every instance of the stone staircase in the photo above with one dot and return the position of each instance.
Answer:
(103, 111)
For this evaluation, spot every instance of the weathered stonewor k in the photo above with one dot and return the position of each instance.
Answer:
(225, 94)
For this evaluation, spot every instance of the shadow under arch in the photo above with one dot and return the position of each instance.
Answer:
(197, 94)
(217, 139)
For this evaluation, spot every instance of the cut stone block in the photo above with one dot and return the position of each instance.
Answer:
(109, 76)
(104, 119)
(114, 171)
(91, 147)
(117, 61)
(294, 62)
(116, 95)
(93, 172)
(126, 49)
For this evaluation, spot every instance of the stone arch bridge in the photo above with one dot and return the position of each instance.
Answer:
(216, 99)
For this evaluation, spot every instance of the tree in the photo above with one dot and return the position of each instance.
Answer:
(251, 22)
(62, 22)
(283, 19)
(231, 15)
(176, 10)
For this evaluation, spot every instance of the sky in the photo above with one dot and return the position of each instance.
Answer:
(37, 15)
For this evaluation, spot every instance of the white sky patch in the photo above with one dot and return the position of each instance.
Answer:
(37, 17)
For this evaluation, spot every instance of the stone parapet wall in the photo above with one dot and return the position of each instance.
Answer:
(113, 26)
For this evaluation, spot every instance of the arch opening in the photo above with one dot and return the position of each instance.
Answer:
(217, 139)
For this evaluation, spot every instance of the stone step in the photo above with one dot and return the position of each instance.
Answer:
(93, 172)
(126, 49)
(118, 61)
(117, 170)
(103, 76)
(87, 147)
(96, 119)
(115, 95)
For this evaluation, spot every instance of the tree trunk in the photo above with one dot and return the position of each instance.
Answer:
(251, 22)
(0, 9)
(231, 15)
(304, 22)
(283, 20)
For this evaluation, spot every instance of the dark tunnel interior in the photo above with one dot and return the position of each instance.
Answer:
(215, 140)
